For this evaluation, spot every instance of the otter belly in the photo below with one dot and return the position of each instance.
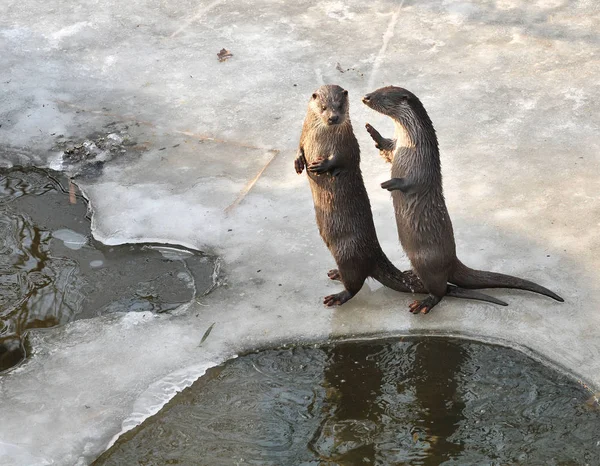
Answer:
(344, 218)
(424, 231)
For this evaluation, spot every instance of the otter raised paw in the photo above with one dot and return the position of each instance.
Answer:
(385, 146)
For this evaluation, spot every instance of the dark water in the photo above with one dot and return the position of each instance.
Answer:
(52, 271)
(427, 401)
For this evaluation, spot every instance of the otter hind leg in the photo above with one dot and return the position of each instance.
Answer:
(353, 280)
(436, 284)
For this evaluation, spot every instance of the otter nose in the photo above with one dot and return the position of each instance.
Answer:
(333, 119)
(366, 98)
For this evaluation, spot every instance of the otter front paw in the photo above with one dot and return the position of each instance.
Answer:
(300, 163)
(393, 184)
(320, 166)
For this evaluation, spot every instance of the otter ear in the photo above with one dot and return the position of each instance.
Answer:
(314, 96)
(345, 92)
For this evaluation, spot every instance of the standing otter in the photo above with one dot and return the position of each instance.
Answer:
(424, 226)
(330, 152)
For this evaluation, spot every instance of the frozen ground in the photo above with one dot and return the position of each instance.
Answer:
(510, 85)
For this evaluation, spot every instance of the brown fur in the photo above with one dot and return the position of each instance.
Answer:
(424, 225)
(331, 155)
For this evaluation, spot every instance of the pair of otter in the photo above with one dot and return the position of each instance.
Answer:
(331, 155)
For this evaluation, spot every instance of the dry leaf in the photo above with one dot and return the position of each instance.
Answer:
(224, 54)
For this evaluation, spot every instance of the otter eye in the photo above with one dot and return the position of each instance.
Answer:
(323, 108)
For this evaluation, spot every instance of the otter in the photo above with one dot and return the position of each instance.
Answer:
(331, 155)
(423, 222)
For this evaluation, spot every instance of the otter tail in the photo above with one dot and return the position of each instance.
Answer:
(408, 282)
(466, 277)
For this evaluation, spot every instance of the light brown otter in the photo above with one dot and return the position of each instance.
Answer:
(331, 154)
(424, 226)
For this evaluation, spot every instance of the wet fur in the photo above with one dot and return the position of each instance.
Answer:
(331, 155)
(424, 225)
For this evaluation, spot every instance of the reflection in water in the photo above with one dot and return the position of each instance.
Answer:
(436, 371)
(52, 271)
(366, 391)
(352, 408)
(425, 401)
(34, 285)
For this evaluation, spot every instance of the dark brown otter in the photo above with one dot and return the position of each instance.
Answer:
(331, 154)
(424, 226)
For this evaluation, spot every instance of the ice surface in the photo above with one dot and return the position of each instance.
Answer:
(513, 92)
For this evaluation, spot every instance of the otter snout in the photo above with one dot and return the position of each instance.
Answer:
(366, 99)
(333, 119)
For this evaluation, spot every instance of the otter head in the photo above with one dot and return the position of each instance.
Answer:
(395, 102)
(330, 104)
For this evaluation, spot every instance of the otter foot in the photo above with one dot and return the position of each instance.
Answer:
(337, 299)
(300, 163)
(424, 306)
(334, 274)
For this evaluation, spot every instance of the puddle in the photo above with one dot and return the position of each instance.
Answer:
(52, 271)
(426, 401)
